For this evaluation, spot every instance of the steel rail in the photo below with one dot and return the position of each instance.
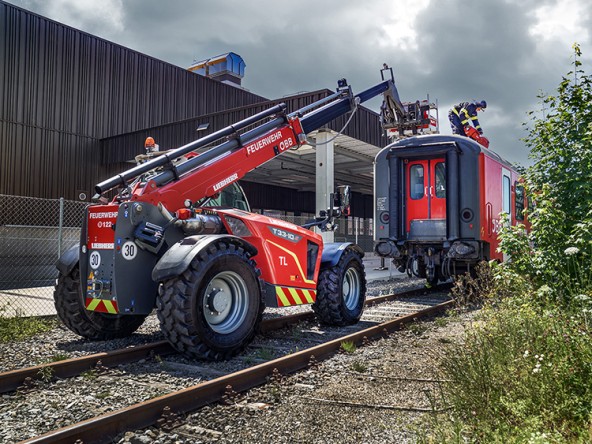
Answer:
(12, 380)
(106, 427)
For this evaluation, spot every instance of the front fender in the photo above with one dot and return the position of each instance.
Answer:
(68, 260)
(333, 251)
(177, 258)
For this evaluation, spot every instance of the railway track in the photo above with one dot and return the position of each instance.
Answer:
(12, 380)
(379, 318)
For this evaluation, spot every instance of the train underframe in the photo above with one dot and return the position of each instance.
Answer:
(436, 261)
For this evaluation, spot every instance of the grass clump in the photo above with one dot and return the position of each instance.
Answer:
(417, 328)
(89, 375)
(359, 367)
(348, 346)
(46, 374)
(16, 328)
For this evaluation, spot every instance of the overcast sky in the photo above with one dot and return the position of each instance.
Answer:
(503, 51)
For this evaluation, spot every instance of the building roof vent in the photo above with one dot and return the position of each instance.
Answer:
(227, 68)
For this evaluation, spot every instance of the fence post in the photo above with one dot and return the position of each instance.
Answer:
(61, 224)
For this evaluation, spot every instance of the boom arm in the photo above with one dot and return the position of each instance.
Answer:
(207, 174)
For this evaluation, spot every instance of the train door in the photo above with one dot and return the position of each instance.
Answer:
(417, 191)
(426, 190)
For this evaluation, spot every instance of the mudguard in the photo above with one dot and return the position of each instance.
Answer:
(68, 260)
(332, 252)
(177, 258)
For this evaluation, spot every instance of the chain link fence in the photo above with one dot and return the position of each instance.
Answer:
(33, 234)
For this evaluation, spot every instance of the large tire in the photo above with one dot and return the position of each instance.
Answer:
(89, 324)
(341, 291)
(214, 308)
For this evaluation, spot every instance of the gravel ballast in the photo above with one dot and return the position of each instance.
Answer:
(371, 395)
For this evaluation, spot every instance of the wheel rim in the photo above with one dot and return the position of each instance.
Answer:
(351, 288)
(226, 302)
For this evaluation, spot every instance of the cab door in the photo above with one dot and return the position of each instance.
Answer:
(426, 190)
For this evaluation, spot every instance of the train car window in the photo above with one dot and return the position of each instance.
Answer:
(519, 201)
(506, 194)
(440, 179)
(416, 182)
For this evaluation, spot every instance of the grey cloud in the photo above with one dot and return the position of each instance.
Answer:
(465, 50)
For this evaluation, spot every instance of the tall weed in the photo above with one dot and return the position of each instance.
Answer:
(523, 371)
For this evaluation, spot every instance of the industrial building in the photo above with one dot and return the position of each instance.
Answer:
(76, 109)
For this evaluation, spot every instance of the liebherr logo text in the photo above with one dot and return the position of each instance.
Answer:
(225, 182)
(103, 215)
(269, 140)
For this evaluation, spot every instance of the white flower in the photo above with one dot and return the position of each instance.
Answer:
(525, 354)
(570, 251)
(544, 290)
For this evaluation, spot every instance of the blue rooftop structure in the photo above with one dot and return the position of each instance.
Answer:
(229, 67)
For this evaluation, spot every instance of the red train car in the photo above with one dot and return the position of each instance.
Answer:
(437, 204)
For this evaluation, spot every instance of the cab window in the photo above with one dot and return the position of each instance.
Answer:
(416, 182)
(231, 197)
(440, 180)
(506, 194)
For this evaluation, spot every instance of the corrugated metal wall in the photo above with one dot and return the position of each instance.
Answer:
(288, 199)
(61, 90)
(74, 108)
(365, 127)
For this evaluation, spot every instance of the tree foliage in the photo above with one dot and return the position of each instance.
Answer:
(560, 180)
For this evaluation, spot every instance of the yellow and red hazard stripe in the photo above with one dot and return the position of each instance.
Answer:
(102, 305)
(288, 296)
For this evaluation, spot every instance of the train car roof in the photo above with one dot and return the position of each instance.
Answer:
(463, 143)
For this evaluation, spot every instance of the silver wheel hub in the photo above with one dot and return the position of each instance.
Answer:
(226, 302)
(351, 288)
(218, 301)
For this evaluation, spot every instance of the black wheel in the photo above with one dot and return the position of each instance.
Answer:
(89, 324)
(433, 280)
(341, 291)
(424, 272)
(213, 309)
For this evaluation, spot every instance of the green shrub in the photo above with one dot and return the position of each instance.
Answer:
(525, 374)
(524, 371)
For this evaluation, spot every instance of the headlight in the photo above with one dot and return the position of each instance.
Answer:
(237, 227)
